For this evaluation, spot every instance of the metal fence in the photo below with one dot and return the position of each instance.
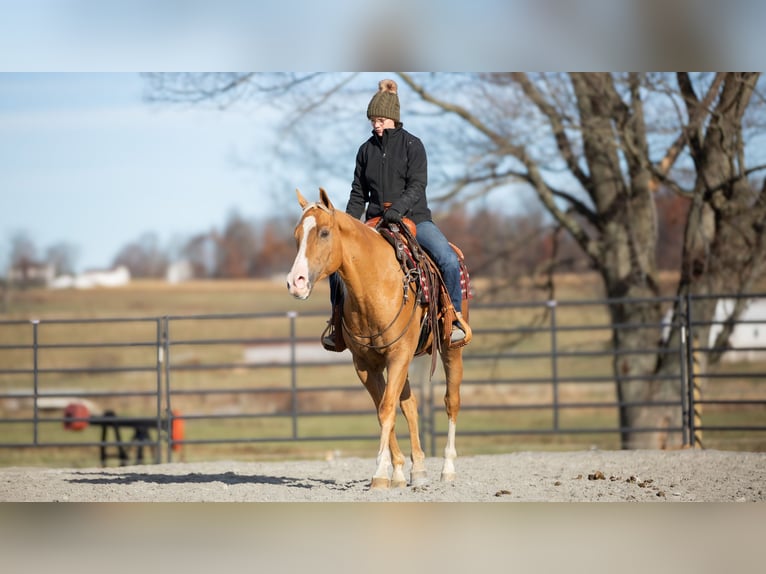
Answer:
(535, 371)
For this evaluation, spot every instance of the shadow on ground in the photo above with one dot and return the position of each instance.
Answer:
(229, 478)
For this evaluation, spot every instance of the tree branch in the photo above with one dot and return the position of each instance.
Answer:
(557, 126)
(533, 174)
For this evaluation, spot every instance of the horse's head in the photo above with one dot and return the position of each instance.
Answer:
(316, 236)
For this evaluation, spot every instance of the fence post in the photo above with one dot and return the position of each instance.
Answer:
(685, 370)
(158, 449)
(35, 381)
(163, 354)
(554, 365)
(292, 315)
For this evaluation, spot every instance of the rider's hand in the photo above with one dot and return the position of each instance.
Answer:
(392, 216)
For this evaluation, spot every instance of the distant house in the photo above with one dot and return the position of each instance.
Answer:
(179, 271)
(32, 274)
(62, 282)
(90, 279)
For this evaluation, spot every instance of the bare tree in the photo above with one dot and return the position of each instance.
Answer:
(276, 246)
(601, 129)
(23, 250)
(144, 257)
(200, 251)
(62, 256)
(23, 260)
(236, 249)
(594, 149)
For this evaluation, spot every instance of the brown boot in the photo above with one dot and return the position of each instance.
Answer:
(332, 336)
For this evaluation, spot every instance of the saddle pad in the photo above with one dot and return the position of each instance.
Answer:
(410, 263)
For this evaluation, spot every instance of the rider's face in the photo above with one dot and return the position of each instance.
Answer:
(380, 124)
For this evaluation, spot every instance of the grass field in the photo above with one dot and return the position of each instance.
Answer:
(226, 399)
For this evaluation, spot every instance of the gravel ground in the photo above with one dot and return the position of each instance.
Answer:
(641, 476)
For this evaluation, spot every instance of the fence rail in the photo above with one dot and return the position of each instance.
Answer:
(541, 369)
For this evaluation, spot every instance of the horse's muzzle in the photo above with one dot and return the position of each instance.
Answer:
(299, 286)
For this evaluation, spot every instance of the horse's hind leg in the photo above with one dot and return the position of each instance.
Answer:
(453, 370)
(409, 407)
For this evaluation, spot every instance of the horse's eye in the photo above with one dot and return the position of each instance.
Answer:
(324, 233)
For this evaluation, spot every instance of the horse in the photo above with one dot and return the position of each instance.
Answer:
(381, 327)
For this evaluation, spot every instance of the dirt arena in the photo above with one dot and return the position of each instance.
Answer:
(588, 476)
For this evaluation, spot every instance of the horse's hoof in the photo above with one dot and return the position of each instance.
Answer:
(380, 483)
(419, 478)
(399, 483)
(448, 477)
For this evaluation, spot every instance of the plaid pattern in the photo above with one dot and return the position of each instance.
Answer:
(425, 288)
(465, 280)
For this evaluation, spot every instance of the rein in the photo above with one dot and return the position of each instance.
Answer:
(409, 277)
(358, 338)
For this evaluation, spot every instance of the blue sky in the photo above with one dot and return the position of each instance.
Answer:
(84, 160)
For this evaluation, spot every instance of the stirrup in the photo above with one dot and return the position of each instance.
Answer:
(457, 334)
(459, 324)
(328, 342)
(332, 336)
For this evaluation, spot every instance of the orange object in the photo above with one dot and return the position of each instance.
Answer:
(177, 430)
(373, 222)
(76, 411)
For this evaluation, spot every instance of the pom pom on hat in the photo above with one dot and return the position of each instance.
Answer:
(387, 86)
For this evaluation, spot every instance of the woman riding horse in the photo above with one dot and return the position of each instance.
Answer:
(392, 170)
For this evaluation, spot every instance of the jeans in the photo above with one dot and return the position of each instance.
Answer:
(432, 240)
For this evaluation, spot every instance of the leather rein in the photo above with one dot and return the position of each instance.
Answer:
(409, 277)
(358, 338)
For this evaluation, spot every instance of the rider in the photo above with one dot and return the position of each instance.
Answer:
(391, 168)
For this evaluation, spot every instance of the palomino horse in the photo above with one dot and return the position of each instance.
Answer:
(381, 320)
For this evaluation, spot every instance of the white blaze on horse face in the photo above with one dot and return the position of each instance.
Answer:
(298, 282)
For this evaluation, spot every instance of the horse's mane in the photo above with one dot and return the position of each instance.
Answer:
(321, 206)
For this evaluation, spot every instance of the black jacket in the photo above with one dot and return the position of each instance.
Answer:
(390, 169)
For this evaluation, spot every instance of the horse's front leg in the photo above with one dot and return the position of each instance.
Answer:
(390, 460)
(389, 454)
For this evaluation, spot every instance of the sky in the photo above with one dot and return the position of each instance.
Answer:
(86, 161)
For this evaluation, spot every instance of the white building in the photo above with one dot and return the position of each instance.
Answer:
(32, 274)
(749, 332)
(88, 280)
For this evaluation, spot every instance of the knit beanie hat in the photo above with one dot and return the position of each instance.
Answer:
(385, 103)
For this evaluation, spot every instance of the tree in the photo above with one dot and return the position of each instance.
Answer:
(236, 253)
(200, 251)
(601, 129)
(277, 247)
(672, 211)
(594, 149)
(144, 257)
(62, 256)
(23, 260)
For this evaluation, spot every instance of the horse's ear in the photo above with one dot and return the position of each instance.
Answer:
(325, 199)
(301, 200)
